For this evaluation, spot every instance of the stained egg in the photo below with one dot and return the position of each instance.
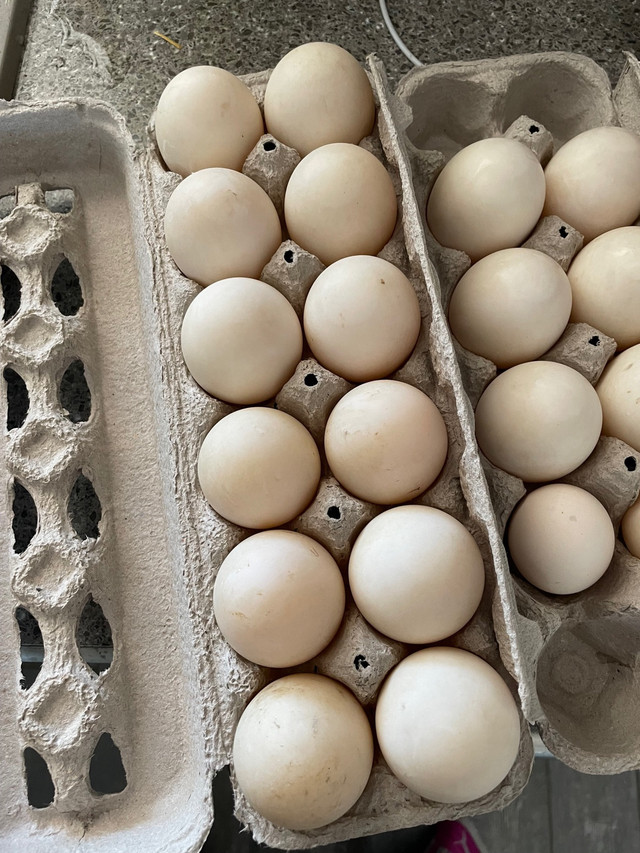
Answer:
(259, 467)
(385, 442)
(206, 118)
(241, 340)
(278, 598)
(593, 182)
(447, 725)
(511, 306)
(340, 201)
(538, 420)
(488, 197)
(416, 574)
(362, 318)
(318, 94)
(561, 539)
(619, 393)
(218, 224)
(604, 279)
(303, 751)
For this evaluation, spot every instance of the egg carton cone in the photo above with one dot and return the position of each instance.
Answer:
(574, 657)
(171, 698)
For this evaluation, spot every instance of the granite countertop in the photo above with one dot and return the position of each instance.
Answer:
(107, 48)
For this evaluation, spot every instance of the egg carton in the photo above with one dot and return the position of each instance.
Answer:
(173, 694)
(577, 662)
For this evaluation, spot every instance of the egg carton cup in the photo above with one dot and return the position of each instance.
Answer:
(576, 657)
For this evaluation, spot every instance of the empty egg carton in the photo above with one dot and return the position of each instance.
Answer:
(577, 661)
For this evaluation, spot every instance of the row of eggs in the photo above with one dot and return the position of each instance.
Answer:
(539, 420)
(279, 596)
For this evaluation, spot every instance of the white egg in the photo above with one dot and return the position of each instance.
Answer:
(416, 574)
(488, 197)
(259, 467)
(303, 751)
(593, 182)
(619, 392)
(278, 598)
(538, 420)
(362, 318)
(447, 725)
(317, 94)
(218, 224)
(631, 529)
(241, 340)
(206, 117)
(385, 442)
(511, 306)
(605, 280)
(561, 539)
(340, 201)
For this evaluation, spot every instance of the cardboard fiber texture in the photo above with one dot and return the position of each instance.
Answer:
(576, 656)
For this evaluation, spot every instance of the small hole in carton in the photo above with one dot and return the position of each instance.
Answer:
(66, 290)
(534, 128)
(269, 145)
(289, 256)
(17, 399)
(11, 292)
(7, 204)
(85, 511)
(334, 512)
(310, 380)
(106, 771)
(562, 231)
(40, 787)
(594, 341)
(630, 463)
(74, 394)
(31, 647)
(93, 637)
(59, 200)
(25, 518)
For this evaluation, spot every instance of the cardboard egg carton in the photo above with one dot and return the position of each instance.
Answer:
(576, 662)
(174, 693)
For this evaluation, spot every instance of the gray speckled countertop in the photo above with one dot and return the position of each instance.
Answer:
(107, 48)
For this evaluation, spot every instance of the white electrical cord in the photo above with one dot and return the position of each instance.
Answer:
(394, 35)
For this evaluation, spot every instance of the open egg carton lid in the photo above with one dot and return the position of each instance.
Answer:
(170, 699)
(576, 657)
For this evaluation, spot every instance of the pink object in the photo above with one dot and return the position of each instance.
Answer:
(453, 836)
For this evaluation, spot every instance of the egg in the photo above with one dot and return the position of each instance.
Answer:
(416, 574)
(605, 278)
(488, 197)
(241, 340)
(206, 117)
(303, 751)
(218, 224)
(631, 529)
(317, 94)
(362, 318)
(259, 467)
(511, 306)
(538, 421)
(619, 393)
(593, 182)
(278, 598)
(385, 442)
(340, 201)
(447, 725)
(561, 539)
